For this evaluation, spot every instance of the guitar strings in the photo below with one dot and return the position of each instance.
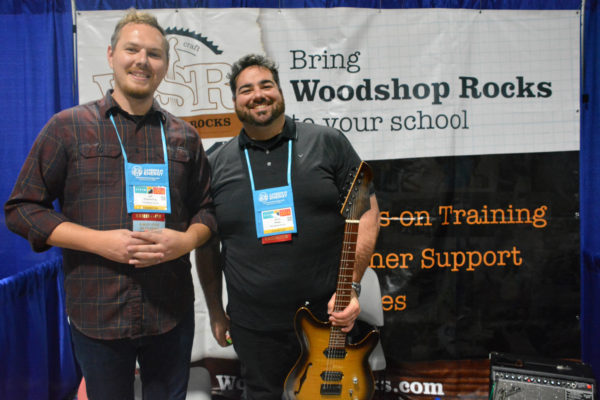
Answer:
(337, 339)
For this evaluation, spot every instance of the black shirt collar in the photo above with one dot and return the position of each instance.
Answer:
(288, 132)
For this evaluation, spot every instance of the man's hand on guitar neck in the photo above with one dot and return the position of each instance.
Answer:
(345, 318)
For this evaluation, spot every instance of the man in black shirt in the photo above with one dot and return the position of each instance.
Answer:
(277, 258)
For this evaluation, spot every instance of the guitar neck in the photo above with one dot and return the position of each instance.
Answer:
(355, 204)
(343, 292)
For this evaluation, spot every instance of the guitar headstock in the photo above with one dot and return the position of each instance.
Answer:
(356, 201)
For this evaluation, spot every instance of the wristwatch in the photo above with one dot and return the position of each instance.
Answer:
(356, 287)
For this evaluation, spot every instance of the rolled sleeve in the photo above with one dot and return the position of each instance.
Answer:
(206, 217)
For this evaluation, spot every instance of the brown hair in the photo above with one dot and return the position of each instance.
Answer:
(134, 16)
(251, 60)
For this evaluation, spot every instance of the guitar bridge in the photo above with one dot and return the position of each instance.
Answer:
(328, 389)
(331, 376)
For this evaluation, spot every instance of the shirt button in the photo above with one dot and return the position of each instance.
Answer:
(267, 151)
(268, 163)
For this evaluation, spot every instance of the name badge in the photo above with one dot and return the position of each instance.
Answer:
(150, 197)
(274, 210)
(147, 188)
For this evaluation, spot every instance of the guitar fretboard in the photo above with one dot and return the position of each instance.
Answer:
(343, 291)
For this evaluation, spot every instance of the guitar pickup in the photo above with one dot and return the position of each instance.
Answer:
(331, 376)
(328, 389)
(335, 353)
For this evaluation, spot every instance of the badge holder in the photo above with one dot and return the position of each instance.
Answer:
(147, 189)
(274, 212)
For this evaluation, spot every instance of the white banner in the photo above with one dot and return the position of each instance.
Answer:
(399, 83)
(204, 43)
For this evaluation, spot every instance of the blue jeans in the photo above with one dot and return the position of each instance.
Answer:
(108, 366)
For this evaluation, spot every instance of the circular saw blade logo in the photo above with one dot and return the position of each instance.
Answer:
(196, 82)
(196, 36)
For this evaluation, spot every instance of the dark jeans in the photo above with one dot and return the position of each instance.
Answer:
(108, 366)
(266, 358)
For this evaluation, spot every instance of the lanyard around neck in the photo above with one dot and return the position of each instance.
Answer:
(289, 166)
(162, 134)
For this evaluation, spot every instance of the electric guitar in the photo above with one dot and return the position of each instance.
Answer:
(329, 367)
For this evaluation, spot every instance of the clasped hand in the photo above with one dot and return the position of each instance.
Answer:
(143, 249)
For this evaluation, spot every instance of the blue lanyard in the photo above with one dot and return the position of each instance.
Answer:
(289, 169)
(162, 133)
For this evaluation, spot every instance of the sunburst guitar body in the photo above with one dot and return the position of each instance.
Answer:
(329, 367)
(326, 372)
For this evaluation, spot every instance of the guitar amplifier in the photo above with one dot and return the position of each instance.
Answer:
(527, 378)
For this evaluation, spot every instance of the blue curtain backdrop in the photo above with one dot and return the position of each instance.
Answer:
(589, 157)
(37, 80)
(37, 361)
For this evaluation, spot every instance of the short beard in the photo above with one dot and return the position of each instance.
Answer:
(246, 118)
(139, 94)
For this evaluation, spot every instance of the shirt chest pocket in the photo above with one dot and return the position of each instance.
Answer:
(179, 170)
(99, 164)
(179, 159)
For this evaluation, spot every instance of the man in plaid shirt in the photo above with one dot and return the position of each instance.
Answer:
(129, 290)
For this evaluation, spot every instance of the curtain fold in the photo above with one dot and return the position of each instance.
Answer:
(38, 80)
(37, 359)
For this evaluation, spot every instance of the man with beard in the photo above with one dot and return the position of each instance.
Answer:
(269, 276)
(132, 181)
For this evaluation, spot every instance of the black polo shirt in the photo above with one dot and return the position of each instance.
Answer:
(267, 283)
